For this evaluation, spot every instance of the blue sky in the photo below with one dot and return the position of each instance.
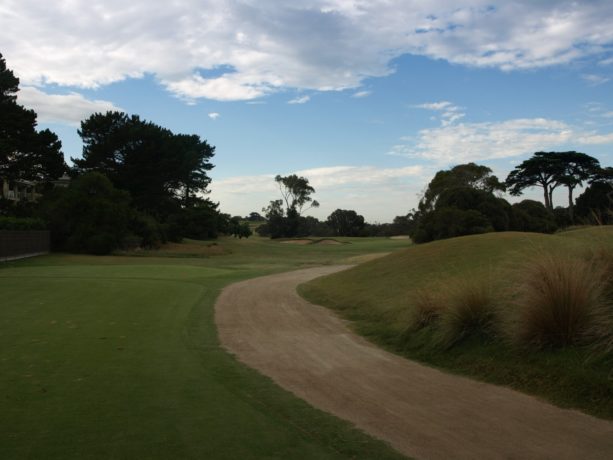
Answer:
(367, 99)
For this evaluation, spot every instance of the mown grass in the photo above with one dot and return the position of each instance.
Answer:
(409, 302)
(118, 357)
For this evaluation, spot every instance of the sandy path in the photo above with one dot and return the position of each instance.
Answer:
(420, 411)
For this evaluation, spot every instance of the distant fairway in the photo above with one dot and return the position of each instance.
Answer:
(117, 357)
(379, 296)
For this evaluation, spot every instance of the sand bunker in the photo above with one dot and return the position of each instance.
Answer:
(297, 242)
(327, 241)
(400, 237)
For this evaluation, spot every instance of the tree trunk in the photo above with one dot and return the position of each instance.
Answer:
(551, 189)
(571, 213)
(546, 191)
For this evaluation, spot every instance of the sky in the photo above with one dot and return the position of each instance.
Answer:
(368, 99)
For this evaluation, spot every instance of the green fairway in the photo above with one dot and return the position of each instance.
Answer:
(117, 357)
(379, 297)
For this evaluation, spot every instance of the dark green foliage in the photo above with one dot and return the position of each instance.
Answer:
(239, 229)
(15, 223)
(445, 223)
(286, 222)
(595, 204)
(550, 170)
(161, 170)
(532, 216)
(460, 201)
(540, 170)
(201, 221)
(17, 208)
(577, 168)
(25, 154)
(255, 217)
(90, 216)
(146, 232)
(311, 226)
(403, 225)
(561, 217)
(345, 222)
(296, 192)
(496, 210)
(468, 175)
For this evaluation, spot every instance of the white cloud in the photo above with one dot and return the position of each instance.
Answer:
(453, 142)
(595, 139)
(463, 142)
(69, 108)
(449, 113)
(244, 49)
(214, 115)
(480, 141)
(607, 61)
(361, 94)
(377, 193)
(595, 80)
(342, 175)
(300, 100)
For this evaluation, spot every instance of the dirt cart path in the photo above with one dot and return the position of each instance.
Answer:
(422, 412)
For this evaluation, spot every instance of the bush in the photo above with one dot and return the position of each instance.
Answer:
(595, 204)
(15, 223)
(427, 307)
(558, 301)
(450, 222)
(532, 216)
(89, 216)
(496, 210)
(146, 232)
(469, 312)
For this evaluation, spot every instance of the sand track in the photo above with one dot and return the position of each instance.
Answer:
(420, 411)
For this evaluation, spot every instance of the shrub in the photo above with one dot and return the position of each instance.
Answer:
(557, 301)
(427, 307)
(594, 205)
(15, 223)
(532, 216)
(450, 222)
(470, 312)
(89, 216)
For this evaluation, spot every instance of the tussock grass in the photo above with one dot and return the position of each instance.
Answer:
(558, 300)
(427, 308)
(469, 311)
(600, 331)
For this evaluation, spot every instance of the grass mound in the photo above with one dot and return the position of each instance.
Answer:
(467, 304)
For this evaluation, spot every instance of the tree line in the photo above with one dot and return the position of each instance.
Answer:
(466, 199)
(136, 184)
(462, 200)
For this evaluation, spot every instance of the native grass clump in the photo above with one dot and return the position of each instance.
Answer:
(454, 311)
(549, 301)
(558, 301)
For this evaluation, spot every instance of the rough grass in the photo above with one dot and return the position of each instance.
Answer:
(118, 357)
(557, 301)
(427, 308)
(470, 311)
(374, 295)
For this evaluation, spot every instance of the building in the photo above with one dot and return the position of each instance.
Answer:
(25, 190)
(19, 190)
